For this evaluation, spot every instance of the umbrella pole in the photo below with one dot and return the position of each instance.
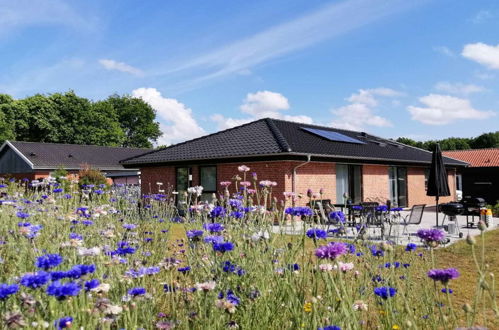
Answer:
(436, 210)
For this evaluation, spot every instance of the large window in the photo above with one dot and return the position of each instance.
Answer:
(348, 183)
(183, 180)
(208, 179)
(397, 179)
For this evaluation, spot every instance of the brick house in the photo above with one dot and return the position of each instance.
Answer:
(481, 177)
(297, 156)
(36, 160)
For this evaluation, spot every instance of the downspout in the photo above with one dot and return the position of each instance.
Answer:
(294, 172)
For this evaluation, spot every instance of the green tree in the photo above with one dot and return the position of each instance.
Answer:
(6, 125)
(137, 121)
(486, 140)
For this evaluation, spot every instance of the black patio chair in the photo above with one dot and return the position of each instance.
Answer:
(413, 218)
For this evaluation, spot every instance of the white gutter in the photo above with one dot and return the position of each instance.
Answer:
(294, 171)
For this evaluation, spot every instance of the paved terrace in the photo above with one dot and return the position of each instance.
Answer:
(373, 234)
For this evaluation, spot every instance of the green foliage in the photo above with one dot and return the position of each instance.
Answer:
(88, 175)
(486, 140)
(68, 118)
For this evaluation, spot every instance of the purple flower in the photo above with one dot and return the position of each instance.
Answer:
(184, 269)
(48, 261)
(299, 211)
(35, 280)
(431, 235)
(213, 227)
(92, 284)
(385, 292)
(129, 226)
(411, 247)
(194, 234)
(75, 236)
(6, 290)
(443, 275)
(63, 290)
(217, 212)
(450, 291)
(223, 247)
(58, 190)
(338, 216)
(330, 327)
(22, 215)
(316, 233)
(64, 322)
(331, 251)
(213, 239)
(137, 291)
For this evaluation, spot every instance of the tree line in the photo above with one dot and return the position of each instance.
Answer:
(119, 120)
(486, 140)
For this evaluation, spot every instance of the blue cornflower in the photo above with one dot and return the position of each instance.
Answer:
(169, 288)
(123, 249)
(194, 234)
(129, 226)
(411, 247)
(92, 284)
(385, 292)
(237, 214)
(137, 291)
(230, 296)
(58, 190)
(213, 239)
(223, 246)
(35, 280)
(67, 196)
(376, 252)
(64, 322)
(351, 248)
(229, 267)
(217, 212)
(299, 211)
(184, 269)
(316, 233)
(294, 267)
(80, 270)
(87, 222)
(236, 203)
(75, 236)
(22, 215)
(99, 191)
(450, 291)
(214, 227)
(338, 216)
(7, 289)
(330, 327)
(63, 290)
(48, 261)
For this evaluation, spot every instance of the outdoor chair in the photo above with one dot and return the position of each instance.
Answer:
(370, 217)
(413, 218)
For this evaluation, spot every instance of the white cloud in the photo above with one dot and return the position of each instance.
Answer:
(360, 112)
(258, 105)
(180, 124)
(481, 17)
(482, 53)
(120, 66)
(444, 109)
(444, 51)
(458, 88)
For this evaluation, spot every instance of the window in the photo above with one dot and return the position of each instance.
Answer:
(426, 176)
(183, 179)
(348, 183)
(208, 179)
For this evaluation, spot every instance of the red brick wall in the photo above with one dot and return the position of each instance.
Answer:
(150, 175)
(416, 187)
(375, 183)
(314, 175)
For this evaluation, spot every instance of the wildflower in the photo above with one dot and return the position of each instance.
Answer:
(395, 327)
(75, 236)
(95, 251)
(206, 286)
(243, 168)
(214, 227)
(48, 261)
(63, 290)
(431, 236)
(197, 190)
(129, 226)
(22, 215)
(307, 307)
(316, 233)
(385, 292)
(194, 235)
(359, 305)
(245, 184)
(299, 211)
(35, 280)
(64, 322)
(213, 239)
(330, 327)
(184, 269)
(411, 247)
(223, 246)
(92, 284)
(6, 290)
(326, 267)
(450, 291)
(58, 190)
(237, 214)
(338, 216)
(375, 252)
(345, 266)
(137, 292)
(443, 275)
(331, 251)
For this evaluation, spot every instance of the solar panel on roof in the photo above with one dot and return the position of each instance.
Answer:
(332, 136)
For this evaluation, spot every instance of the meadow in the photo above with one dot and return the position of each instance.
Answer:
(104, 257)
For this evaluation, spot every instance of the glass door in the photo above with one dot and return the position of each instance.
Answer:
(341, 183)
(182, 180)
(348, 183)
(397, 181)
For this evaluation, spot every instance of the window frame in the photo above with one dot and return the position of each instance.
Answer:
(201, 178)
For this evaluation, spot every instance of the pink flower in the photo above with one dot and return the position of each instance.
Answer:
(225, 183)
(345, 266)
(251, 191)
(245, 183)
(326, 267)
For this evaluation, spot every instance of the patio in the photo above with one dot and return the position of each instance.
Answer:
(373, 234)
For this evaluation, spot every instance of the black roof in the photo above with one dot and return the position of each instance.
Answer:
(72, 156)
(285, 140)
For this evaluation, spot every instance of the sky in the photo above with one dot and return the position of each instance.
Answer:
(423, 69)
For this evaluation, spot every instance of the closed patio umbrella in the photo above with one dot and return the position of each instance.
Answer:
(437, 182)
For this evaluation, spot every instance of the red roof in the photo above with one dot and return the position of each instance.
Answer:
(476, 157)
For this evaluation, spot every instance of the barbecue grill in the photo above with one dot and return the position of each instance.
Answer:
(472, 206)
(451, 211)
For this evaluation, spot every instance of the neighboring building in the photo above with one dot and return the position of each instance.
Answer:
(36, 160)
(481, 178)
(297, 156)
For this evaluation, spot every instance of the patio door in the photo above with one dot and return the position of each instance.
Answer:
(397, 180)
(348, 183)
(183, 180)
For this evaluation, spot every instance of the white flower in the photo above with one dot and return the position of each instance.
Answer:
(101, 288)
(359, 305)
(260, 235)
(95, 251)
(196, 190)
(206, 286)
(326, 267)
(344, 267)
(243, 168)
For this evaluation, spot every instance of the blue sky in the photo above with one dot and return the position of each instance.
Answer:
(422, 69)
